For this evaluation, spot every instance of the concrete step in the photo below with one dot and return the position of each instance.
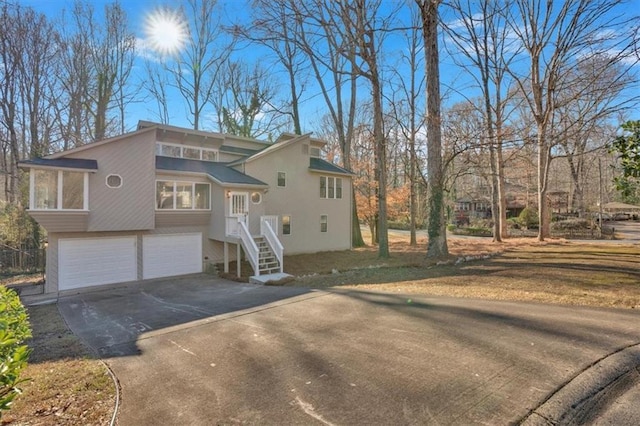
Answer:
(263, 279)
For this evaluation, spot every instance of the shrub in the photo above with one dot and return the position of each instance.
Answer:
(571, 224)
(528, 218)
(513, 223)
(14, 330)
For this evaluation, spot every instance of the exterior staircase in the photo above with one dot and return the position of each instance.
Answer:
(267, 261)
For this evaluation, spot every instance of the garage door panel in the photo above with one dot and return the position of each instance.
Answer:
(170, 255)
(85, 262)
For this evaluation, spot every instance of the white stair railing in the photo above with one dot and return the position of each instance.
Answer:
(249, 245)
(272, 240)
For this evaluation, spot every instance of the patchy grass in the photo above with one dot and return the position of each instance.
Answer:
(554, 271)
(67, 386)
(22, 279)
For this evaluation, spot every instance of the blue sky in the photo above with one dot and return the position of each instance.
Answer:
(236, 11)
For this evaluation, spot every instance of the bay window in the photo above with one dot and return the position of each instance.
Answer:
(176, 195)
(58, 190)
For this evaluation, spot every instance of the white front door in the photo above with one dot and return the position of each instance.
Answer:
(239, 205)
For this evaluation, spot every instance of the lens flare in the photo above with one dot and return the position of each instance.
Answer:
(166, 31)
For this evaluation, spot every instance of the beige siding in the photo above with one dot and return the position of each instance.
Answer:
(61, 221)
(227, 157)
(219, 211)
(130, 207)
(301, 199)
(181, 218)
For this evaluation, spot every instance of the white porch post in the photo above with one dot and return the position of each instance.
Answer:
(226, 257)
(238, 268)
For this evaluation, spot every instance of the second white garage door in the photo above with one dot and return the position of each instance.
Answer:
(169, 255)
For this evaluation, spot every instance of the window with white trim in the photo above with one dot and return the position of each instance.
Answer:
(164, 149)
(324, 222)
(58, 190)
(180, 195)
(286, 224)
(282, 179)
(330, 187)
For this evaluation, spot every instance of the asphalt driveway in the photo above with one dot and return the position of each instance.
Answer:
(204, 351)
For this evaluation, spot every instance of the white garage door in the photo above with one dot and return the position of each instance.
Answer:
(84, 262)
(169, 255)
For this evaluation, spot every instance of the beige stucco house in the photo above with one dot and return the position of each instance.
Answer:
(164, 201)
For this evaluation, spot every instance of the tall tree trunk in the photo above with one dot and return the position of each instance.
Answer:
(544, 154)
(437, 245)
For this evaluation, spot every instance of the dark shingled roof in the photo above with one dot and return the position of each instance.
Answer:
(236, 150)
(65, 163)
(320, 165)
(219, 171)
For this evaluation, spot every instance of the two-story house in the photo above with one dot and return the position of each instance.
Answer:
(164, 201)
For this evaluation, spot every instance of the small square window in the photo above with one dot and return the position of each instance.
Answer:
(286, 225)
(282, 179)
(323, 222)
(256, 198)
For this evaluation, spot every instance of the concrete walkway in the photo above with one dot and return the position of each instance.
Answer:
(278, 355)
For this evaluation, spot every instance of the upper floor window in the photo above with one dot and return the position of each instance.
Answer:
(186, 151)
(282, 179)
(330, 187)
(314, 152)
(58, 190)
(174, 195)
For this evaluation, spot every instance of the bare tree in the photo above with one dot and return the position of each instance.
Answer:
(74, 78)
(10, 48)
(197, 68)
(28, 49)
(112, 48)
(437, 244)
(556, 38)
(407, 110)
(246, 104)
(331, 58)
(273, 26)
(360, 19)
(482, 37)
(157, 84)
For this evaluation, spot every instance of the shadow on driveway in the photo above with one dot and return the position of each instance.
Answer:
(111, 321)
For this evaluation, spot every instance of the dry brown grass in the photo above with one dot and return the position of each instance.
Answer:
(554, 271)
(66, 386)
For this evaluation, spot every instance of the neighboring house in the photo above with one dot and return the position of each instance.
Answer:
(468, 208)
(164, 201)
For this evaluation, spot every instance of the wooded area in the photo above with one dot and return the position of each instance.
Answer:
(534, 97)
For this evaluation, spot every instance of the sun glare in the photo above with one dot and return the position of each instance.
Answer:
(166, 31)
